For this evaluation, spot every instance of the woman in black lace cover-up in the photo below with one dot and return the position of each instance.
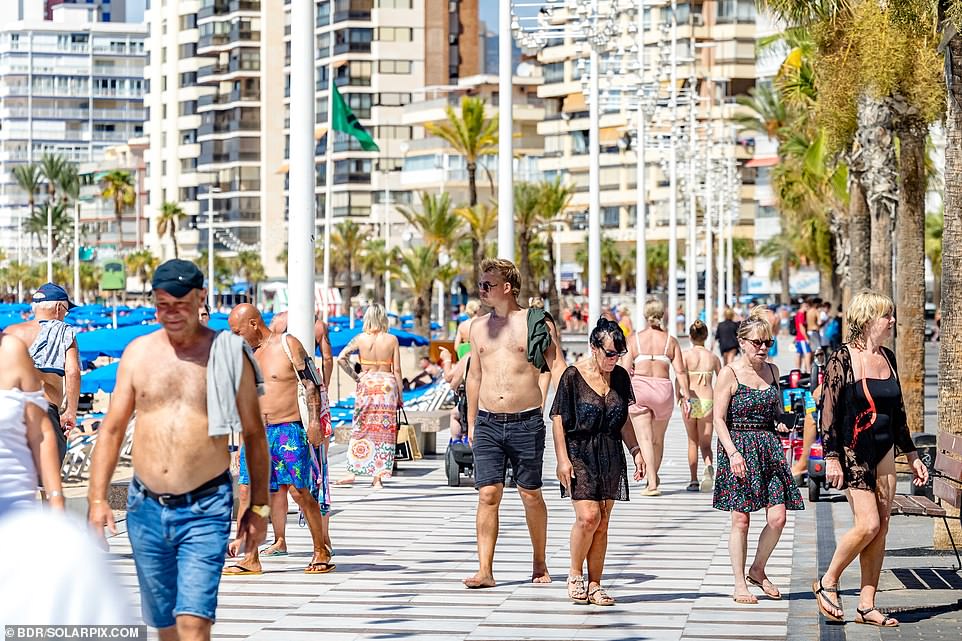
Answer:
(590, 423)
(863, 424)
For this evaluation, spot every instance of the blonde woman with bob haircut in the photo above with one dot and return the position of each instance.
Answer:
(378, 397)
(651, 353)
(863, 426)
(752, 471)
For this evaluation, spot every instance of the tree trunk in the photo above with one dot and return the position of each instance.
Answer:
(349, 286)
(173, 239)
(528, 288)
(875, 165)
(424, 308)
(554, 298)
(472, 183)
(119, 214)
(475, 268)
(910, 270)
(786, 278)
(950, 350)
(860, 234)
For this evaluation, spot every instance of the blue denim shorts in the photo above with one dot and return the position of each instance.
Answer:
(179, 553)
(499, 438)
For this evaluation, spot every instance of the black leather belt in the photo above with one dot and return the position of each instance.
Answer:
(509, 417)
(180, 500)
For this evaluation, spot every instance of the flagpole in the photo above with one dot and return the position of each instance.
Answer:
(301, 208)
(329, 177)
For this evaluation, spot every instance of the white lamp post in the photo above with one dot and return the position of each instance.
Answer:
(211, 190)
(505, 130)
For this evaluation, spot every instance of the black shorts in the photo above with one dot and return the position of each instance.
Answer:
(53, 413)
(499, 438)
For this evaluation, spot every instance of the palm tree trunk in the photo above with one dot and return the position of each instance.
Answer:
(349, 286)
(118, 214)
(786, 278)
(423, 308)
(173, 239)
(476, 267)
(527, 286)
(472, 183)
(860, 234)
(910, 270)
(554, 298)
(876, 164)
(950, 351)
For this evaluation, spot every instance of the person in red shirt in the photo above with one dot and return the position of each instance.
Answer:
(803, 351)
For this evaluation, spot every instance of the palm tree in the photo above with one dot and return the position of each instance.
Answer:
(376, 261)
(781, 248)
(117, 186)
(347, 240)
(481, 221)
(250, 267)
(439, 224)
(29, 178)
(471, 135)
(766, 112)
(223, 270)
(171, 214)
(419, 270)
(89, 278)
(142, 264)
(527, 216)
(282, 258)
(554, 198)
(52, 166)
(53, 216)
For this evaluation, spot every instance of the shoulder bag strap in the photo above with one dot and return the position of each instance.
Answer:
(287, 350)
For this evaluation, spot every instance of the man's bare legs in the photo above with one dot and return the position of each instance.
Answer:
(187, 628)
(278, 522)
(486, 523)
(536, 515)
(312, 512)
(243, 501)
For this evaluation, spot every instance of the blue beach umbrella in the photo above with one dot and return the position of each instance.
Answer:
(110, 342)
(103, 378)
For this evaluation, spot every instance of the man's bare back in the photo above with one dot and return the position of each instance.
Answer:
(172, 451)
(53, 384)
(509, 381)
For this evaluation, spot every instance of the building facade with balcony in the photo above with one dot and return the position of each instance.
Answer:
(71, 86)
(217, 123)
(716, 47)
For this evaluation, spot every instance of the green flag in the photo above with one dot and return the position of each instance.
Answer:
(346, 122)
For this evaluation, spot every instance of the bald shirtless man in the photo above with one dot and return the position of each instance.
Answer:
(279, 499)
(505, 415)
(180, 500)
(53, 347)
(288, 439)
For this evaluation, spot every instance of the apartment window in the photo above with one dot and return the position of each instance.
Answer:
(188, 136)
(355, 170)
(394, 66)
(187, 194)
(163, 83)
(360, 104)
(394, 34)
(736, 11)
(393, 99)
(188, 108)
(610, 217)
(322, 43)
(395, 4)
(554, 72)
(356, 74)
(188, 21)
(393, 132)
(163, 54)
(356, 39)
(188, 164)
(187, 50)
(188, 79)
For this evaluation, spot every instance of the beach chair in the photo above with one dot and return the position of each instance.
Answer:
(127, 447)
(77, 460)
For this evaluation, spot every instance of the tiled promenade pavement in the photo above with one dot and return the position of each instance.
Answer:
(401, 554)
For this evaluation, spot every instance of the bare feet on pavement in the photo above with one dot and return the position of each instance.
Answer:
(540, 575)
(478, 581)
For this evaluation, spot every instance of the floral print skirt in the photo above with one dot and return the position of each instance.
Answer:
(374, 437)
(768, 479)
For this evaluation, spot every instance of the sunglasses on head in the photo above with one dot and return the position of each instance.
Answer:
(758, 344)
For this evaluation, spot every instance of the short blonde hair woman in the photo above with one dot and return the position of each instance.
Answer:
(752, 472)
(863, 424)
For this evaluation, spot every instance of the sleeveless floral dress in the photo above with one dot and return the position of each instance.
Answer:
(768, 480)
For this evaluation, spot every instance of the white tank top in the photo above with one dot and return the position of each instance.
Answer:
(18, 474)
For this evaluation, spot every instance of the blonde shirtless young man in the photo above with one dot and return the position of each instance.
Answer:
(288, 439)
(505, 415)
(180, 499)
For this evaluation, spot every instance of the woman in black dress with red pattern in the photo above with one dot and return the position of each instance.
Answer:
(590, 423)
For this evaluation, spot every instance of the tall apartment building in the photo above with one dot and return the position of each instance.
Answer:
(385, 53)
(216, 123)
(107, 10)
(70, 86)
(723, 69)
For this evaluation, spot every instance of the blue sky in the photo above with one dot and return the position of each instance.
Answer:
(489, 13)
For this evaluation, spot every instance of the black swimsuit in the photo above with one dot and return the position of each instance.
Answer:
(873, 444)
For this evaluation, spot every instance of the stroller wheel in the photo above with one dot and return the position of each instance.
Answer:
(814, 490)
(452, 469)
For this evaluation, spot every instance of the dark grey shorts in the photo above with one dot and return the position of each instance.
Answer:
(499, 438)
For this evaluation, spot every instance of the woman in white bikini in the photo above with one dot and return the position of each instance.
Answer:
(651, 352)
(702, 366)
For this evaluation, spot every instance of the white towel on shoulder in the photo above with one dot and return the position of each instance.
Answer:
(224, 369)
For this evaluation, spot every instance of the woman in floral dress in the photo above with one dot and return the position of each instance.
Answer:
(752, 471)
(378, 397)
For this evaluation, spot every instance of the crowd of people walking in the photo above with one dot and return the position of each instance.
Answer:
(258, 386)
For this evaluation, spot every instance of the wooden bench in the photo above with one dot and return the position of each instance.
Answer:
(946, 486)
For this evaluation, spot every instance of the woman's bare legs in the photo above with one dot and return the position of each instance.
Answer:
(738, 550)
(588, 516)
(872, 556)
(658, 429)
(767, 540)
(599, 545)
(705, 432)
(641, 423)
(694, 441)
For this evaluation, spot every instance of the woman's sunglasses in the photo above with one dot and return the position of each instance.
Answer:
(758, 344)
(612, 354)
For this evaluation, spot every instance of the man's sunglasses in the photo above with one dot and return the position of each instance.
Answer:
(758, 344)
(486, 286)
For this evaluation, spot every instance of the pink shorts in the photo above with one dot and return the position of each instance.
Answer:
(652, 394)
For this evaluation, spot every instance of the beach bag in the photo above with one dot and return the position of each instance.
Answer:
(407, 439)
(302, 405)
(342, 433)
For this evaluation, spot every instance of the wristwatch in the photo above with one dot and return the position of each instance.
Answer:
(262, 511)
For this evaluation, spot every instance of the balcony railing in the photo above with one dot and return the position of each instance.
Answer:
(226, 7)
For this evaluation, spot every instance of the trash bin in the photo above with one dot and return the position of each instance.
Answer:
(926, 446)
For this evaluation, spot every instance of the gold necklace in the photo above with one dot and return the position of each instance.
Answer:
(267, 342)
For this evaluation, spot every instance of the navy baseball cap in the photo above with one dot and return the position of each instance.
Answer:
(177, 277)
(50, 293)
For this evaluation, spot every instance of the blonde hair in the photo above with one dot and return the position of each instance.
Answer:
(865, 307)
(654, 312)
(729, 313)
(471, 309)
(757, 322)
(375, 319)
(506, 270)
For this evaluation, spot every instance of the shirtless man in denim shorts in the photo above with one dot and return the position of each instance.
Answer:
(505, 415)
